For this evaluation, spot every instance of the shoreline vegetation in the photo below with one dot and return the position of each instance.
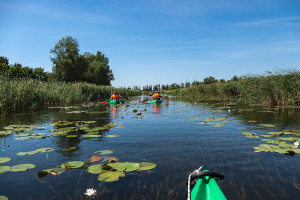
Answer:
(278, 88)
(18, 94)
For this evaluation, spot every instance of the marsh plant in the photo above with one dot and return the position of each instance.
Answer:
(278, 88)
(23, 93)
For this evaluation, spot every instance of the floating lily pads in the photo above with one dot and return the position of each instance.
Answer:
(4, 159)
(53, 171)
(268, 125)
(280, 133)
(270, 141)
(3, 197)
(112, 136)
(206, 123)
(252, 121)
(213, 119)
(4, 169)
(72, 165)
(7, 132)
(288, 138)
(110, 176)
(94, 158)
(104, 152)
(267, 136)
(91, 136)
(94, 169)
(250, 135)
(124, 166)
(146, 166)
(21, 167)
(41, 150)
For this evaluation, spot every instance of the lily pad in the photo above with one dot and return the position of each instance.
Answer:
(104, 152)
(91, 136)
(206, 123)
(112, 136)
(250, 135)
(270, 141)
(4, 159)
(7, 132)
(72, 165)
(21, 167)
(146, 166)
(268, 125)
(3, 197)
(53, 171)
(94, 158)
(280, 133)
(267, 136)
(193, 118)
(4, 169)
(124, 166)
(110, 176)
(288, 138)
(94, 169)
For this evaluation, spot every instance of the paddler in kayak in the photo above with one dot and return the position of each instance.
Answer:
(156, 96)
(115, 96)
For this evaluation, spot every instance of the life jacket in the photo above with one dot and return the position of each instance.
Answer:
(114, 96)
(156, 96)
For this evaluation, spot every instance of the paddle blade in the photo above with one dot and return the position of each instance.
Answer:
(103, 102)
(143, 100)
(167, 99)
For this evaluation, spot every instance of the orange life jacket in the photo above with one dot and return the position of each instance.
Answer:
(114, 96)
(156, 96)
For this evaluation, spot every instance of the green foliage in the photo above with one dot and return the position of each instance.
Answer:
(18, 93)
(210, 80)
(281, 87)
(70, 66)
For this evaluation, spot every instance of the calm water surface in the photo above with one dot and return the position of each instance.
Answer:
(165, 136)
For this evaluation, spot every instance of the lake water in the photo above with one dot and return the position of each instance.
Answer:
(168, 135)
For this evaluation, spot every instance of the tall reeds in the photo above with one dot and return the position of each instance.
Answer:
(22, 93)
(278, 88)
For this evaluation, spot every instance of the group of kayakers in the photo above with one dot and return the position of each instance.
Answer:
(115, 96)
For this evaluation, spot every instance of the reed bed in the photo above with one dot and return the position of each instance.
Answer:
(278, 88)
(22, 93)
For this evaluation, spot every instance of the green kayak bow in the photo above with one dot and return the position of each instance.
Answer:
(205, 186)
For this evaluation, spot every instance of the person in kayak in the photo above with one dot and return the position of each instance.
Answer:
(156, 96)
(115, 96)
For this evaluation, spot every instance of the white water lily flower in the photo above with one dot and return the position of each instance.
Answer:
(90, 192)
(296, 144)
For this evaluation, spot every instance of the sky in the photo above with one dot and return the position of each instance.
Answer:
(152, 42)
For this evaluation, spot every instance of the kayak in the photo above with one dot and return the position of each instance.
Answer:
(116, 101)
(156, 101)
(206, 187)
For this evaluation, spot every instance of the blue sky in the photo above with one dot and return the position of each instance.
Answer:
(158, 41)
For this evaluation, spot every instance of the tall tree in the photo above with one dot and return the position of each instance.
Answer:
(98, 71)
(68, 65)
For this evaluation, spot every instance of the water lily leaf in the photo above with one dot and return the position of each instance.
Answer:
(42, 150)
(110, 125)
(206, 123)
(112, 136)
(21, 167)
(280, 133)
(250, 135)
(104, 152)
(94, 169)
(2, 197)
(267, 136)
(285, 145)
(4, 169)
(270, 141)
(252, 121)
(7, 132)
(219, 124)
(72, 165)
(53, 171)
(212, 119)
(110, 176)
(124, 166)
(268, 125)
(146, 166)
(94, 158)
(288, 138)
(132, 166)
(91, 136)
(4, 159)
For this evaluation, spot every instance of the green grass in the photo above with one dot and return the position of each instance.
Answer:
(278, 88)
(17, 94)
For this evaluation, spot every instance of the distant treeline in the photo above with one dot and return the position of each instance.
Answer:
(278, 88)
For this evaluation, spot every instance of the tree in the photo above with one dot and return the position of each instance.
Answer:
(68, 65)
(98, 71)
(4, 67)
(210, 80)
